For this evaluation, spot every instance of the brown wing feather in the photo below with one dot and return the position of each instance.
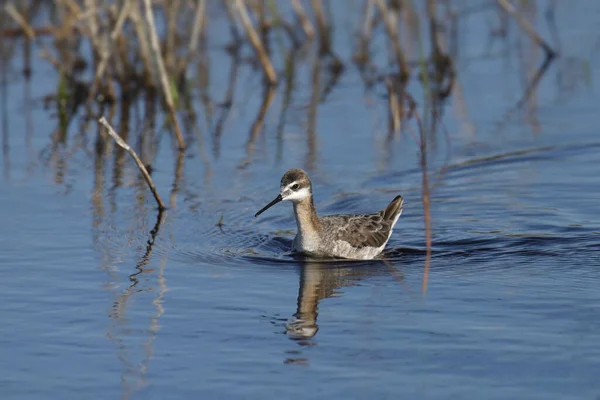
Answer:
(361, 231)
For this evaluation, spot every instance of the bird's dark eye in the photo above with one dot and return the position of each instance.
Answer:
(295, 186)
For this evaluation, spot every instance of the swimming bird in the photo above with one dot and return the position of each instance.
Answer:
(357, 236)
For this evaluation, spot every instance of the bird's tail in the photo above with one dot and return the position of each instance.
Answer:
(393, 210)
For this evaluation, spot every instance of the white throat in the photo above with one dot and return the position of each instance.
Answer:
(298, 196)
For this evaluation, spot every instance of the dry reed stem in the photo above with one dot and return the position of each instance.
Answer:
(256, 42)
(171, 7)
(307, 26)
(368, 22)
(393, 106)
(121, 19)
(268, 97)
(163, 73)
(233, 23)
(227, 101)
(527, 93)
(177, 179)
(389, 20)
(104, 51)
(431, 14)
(425, 196)
(46, 55)
(14, 13)
(425, 188)
(134, 15)
(198, 25)
(90, 5)
(83, 15)
(89, 29)
(18, 32)
(527, 27)
(427, 216)
(138, 161)
(198, 28)
(312, 109)
(362, 55)
(322, 27)
(197, 32)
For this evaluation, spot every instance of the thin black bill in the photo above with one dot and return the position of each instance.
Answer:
(271, 204)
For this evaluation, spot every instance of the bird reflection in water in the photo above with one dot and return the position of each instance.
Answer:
(322, 280)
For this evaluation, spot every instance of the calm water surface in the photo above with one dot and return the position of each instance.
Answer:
(512, 308)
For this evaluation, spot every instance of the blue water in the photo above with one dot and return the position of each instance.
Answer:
(511, 308)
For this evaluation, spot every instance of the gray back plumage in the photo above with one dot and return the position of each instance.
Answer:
(363, 230)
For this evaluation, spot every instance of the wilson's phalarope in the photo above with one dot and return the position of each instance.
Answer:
(361, 236)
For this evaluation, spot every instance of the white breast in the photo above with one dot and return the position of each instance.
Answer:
(306, 243)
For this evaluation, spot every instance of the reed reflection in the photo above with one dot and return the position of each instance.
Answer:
(146, 283)
(119, 332)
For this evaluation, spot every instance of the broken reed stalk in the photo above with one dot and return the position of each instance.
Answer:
(527, 27)
(164, 80)
(242, 12)
(139, 163)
